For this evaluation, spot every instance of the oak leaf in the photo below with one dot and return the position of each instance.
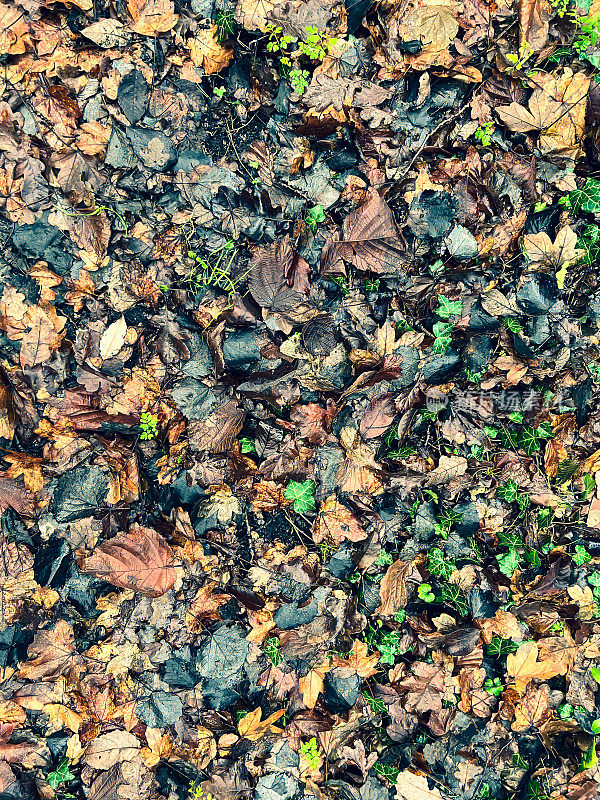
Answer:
(139, 559)
(253, 727)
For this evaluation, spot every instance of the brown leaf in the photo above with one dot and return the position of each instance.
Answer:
(268, 282)
(534, 16)
(205, 51)
(358, 660)
(415, 787)
(205, 607)
(139, 559)
(151, 17)
(425, 686)
(218, 431)
(52, 654)
(533, 710)
(396, 586)
(371, 240)
(335, 523)
(523, 666)
(379, 416)
(312, 684)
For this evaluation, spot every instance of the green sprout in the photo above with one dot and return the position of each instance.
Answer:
(483, 134)
(310, 752)
(149, 426)
(314, 217)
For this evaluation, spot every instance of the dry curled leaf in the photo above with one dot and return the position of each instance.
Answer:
(370, 239)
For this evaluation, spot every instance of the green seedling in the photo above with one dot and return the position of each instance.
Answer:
(149, 426)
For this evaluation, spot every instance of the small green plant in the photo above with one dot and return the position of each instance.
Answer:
(271, 650)
(586, 199)
(594, 370)
(299, 80)
(148, 426)
(425, 593)
(443, 337)
(589, 242)
(483, 134)
(594, 581)
(224, 22)
(560, 7)
(387, 771)
(494, 686)
(311, 753)
(511, 492)
(390, 646)
(565, 711)
(60, 775)
(445, 522)
(377, 705)
(247, 445)
(303, 495)
(501, 647)
(196, 792)
(589, 759)
(587, 39)
(317, 44)
(314, 216)
(439, 565)
(219, 91)
(581, 555)
(326, 548)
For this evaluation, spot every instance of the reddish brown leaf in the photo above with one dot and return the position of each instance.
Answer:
(378, 417)
(140, 560)
(371, 240)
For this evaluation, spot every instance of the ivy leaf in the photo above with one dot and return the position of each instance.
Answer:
(303, 495)
(587, 198)
(509, 562)
(501, 647)
(314, 217)
(60, 774)
(455, 596)
(439, 565)
(448, 307)
(509, 491)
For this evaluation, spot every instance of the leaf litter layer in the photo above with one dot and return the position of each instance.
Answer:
(299, 374)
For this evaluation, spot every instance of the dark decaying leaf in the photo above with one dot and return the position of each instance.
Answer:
(269, 285)
(370, 238)
(319, 336)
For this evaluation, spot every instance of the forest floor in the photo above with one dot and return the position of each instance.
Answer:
(299, 380)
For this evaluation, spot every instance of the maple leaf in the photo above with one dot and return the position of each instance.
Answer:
(533, 710)
(80, 289)
(28, 466)
(556, 110)
(358, 660)
(524, 666)
(370, 240)
(205, 51)
(540, 249)
(140, 560)
(151, 17)
(253, 727)
(425, 686)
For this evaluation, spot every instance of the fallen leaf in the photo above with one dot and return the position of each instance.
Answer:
(397, 585)
(253, 727)
(113, 339)
(139, 559)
